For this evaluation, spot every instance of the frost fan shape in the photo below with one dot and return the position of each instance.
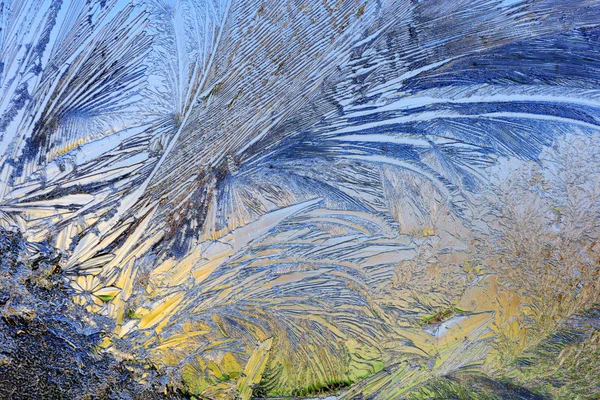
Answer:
(236, 182)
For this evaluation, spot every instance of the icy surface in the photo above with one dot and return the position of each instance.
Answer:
(275, 198)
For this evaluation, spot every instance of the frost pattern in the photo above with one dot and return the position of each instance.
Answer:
(286, 198)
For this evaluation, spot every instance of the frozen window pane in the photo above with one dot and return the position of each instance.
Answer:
(275, 198)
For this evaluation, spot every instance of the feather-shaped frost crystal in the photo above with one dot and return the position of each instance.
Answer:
(368, 199)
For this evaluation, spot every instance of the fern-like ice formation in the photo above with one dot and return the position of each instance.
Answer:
(244, 185)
